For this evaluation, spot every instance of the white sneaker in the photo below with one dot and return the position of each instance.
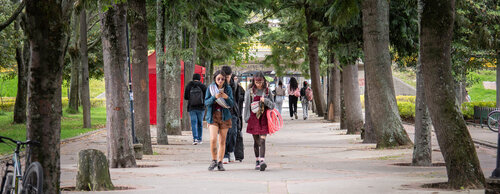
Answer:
(231, 157)
(195, 142)
(200, 142)
(225, 160)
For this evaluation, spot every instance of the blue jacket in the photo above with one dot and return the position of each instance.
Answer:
(210, 100)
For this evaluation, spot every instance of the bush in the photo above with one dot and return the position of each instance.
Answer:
(407, 111)
(468, 108)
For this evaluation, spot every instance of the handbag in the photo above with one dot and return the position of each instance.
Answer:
(274, 121)
(296, 93)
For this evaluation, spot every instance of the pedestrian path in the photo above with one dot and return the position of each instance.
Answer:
(306, 156)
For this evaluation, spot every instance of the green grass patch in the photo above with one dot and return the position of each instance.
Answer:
(71, 126)
(476, 90)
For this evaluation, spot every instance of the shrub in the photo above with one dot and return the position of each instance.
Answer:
(407, 111)
(468, 108)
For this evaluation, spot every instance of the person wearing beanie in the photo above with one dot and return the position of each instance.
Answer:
(194, 93)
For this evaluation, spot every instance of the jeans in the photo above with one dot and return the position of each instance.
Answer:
(231, 136)
(292, 101)
(279, 103)
(305, 107)
(197, 123)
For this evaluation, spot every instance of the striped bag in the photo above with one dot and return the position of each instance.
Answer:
(214, 90)
(274, 121)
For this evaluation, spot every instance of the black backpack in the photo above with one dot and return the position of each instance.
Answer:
(196, 96)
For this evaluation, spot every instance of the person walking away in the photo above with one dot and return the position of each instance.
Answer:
(194, 93)
(280, 96)
(305, 98)
(293, 97)
(218, 101)
(258, 99)
(233, 130)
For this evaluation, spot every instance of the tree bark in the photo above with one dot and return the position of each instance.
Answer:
(118, 115)
(422, 148)
(498, 79)
(84, 76)
(462, 164)
(140, 77)
(74, 55)
(312, 52)
(369, 134)
(384, 113)
(161, 109)
(22, 78)
(354, 114)
(189, 68)
(336, 92)
(173, 73)
(343, 116)
(330, 97)
(47, 24)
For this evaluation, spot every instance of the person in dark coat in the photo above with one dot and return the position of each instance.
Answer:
(196, 106)
(258, 99)
(229, 155)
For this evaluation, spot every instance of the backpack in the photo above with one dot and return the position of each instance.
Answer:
(196, 96)
(309, 94)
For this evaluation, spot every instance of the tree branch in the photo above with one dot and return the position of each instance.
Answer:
(90, 28)
(13, 16)
(92, 44)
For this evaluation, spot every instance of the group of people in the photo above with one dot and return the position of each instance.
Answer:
(294, 94)
(222, 103)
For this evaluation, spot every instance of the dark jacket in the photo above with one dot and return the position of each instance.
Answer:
(187, 91)
(239, 97)
(210, 101)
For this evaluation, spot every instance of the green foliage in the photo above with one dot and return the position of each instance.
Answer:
(468, 108)
(406, 110)
(71, 126)
(10, 38)
(403, 27)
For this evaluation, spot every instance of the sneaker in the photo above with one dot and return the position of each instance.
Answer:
(225, 160)
(200, 142)
(195, 142)
(263, 165)
(296, 117)
(305, 118)
(220, 167)
(212, 165)
(232, 158)
(257, 165)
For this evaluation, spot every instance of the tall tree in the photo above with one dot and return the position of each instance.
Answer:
(22, 60)
(312, 51)
(84, 67)
(455, 142)
(191, 61)
(118, 116)
(384, 113)
(162, 137)
(74, 55)
(354, 115)
(173, 70)
(140, 78)
(47, 24)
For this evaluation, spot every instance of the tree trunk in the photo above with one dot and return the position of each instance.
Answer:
(369, 135)
(422, 149)
(454, 140)
(22, 79)
(384, 113)
(47, 24)
(343, 117)
(498, 78)
(84, 76)
(93, 171)
(74, 55)
(336, 92)
(118, 115)
(330, 97)
(189, 68)
(172, 74)
(312, 52)
(161, 109)
(354, 114)
(140, 77)
(210, 73)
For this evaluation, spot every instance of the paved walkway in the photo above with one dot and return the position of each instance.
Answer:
(309, 156)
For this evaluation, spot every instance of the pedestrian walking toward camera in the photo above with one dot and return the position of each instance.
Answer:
(218, 101)
(305, 97)
(233, 130)
(293, 97)
(280, 96)
(258, 99)
(194, 93)
(239, 153)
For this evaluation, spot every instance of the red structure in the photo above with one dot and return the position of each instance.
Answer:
(152, 85)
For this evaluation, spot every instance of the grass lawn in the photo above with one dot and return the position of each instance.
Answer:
(71, 126)
(8, 88)
(406, 75)
(476, 91)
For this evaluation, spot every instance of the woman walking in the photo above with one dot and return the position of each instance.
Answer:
(218, 101)
(280, 96)
(258, 99)
(293, 97)
(304, 100)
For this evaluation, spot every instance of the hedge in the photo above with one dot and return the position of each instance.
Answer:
(7, 104)
(468, 108)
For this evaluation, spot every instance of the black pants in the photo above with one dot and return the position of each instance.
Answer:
(292, 103)
(259, 145)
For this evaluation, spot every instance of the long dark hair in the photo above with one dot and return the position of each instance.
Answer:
(293, 83)
(221, 73)
(256, 75)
